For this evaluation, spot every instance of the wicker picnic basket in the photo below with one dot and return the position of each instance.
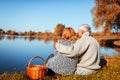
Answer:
(35, 71)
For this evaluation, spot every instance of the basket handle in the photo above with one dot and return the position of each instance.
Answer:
(36, 57)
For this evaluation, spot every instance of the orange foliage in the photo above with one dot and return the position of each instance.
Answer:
(106, 13)
(59, 29)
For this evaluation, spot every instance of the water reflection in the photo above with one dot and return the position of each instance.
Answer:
(10, 37)
(108, 51)
(30, 38)
(2, 37)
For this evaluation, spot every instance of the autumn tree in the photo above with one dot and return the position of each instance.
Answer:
(30, 33)
(59, 29)
(1, 31)
(106, 14)
(10, 32)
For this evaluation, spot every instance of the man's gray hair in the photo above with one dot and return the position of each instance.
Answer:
(85, 27)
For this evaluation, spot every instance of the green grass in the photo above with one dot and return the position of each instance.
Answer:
(109, 72)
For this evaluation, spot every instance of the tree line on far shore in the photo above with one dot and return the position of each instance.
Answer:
(57, 32)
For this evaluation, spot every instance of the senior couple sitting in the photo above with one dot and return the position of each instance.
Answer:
(72, 55)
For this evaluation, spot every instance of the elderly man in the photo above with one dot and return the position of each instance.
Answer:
(86, 49)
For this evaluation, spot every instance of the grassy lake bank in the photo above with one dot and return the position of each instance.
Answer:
(111, 71)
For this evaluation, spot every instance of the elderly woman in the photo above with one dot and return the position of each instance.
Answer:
(60, 64)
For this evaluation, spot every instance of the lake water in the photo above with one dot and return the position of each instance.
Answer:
(15, 53)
